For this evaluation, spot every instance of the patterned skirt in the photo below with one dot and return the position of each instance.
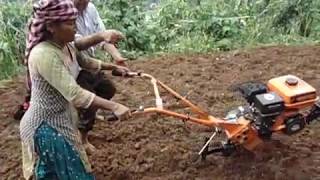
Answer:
(57, 159)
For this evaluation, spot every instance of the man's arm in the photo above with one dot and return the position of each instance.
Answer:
(83, 43)
(106, 66)
(110, 36)
(89, 63)
(107, 46)
(114, 52)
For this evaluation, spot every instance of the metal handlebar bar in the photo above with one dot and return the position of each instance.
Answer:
(239, 132)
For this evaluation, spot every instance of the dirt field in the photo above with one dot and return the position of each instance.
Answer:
(155, 147)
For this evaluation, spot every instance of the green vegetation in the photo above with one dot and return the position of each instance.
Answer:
(181, 26)
(13, 18)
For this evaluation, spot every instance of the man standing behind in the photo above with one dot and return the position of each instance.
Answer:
(89, 22)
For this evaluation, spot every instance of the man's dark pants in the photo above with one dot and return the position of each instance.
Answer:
(101, 86)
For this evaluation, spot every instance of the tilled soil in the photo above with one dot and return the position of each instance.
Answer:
(158, 147)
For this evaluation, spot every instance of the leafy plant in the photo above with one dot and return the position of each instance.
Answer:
(179, 26)
(13, 17)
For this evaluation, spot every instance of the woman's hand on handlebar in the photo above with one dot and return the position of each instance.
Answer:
(122, 112)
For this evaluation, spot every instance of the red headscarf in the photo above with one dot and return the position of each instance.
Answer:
(46, 11)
